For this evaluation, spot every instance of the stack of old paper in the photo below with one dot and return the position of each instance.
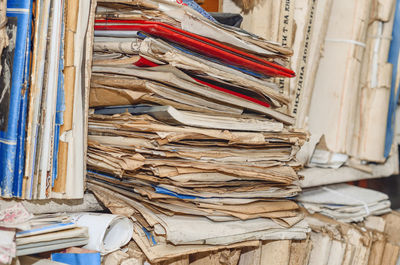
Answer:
(180, 228)
(183, 136)
(48, 232)
(345, 203)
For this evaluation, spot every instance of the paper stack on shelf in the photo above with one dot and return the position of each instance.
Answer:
(345, 203)
(188, 130)
(43, 100)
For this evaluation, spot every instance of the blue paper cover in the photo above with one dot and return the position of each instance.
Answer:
(15, 62)
(60, 108)
(77, 259)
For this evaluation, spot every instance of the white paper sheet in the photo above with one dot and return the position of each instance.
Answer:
(107, 232)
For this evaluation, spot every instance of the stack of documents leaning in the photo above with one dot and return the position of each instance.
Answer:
(187, 130)
(42, 102)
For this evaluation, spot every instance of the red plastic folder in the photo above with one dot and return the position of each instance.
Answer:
(199, 44)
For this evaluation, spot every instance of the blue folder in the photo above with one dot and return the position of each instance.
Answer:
(13, 96)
